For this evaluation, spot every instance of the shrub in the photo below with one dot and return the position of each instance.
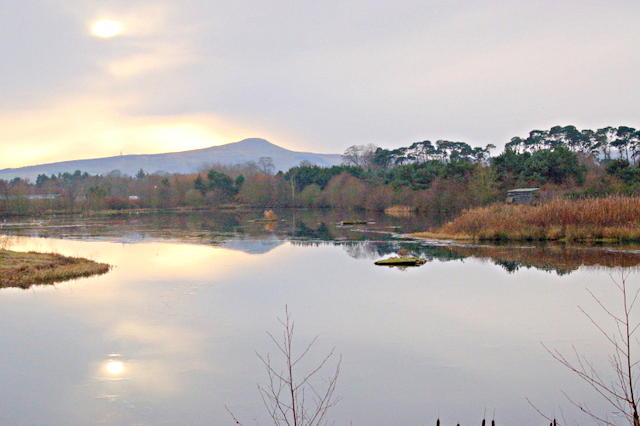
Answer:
(115, 203)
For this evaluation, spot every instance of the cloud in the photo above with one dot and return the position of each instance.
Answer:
(311, 76)
(153, 60)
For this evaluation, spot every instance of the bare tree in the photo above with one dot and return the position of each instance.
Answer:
(621, 391)
(292, 395)
(266, 166)
(359, 155)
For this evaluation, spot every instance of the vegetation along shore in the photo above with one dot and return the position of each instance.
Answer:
(23, 269)
(438, 179)
(607, 219)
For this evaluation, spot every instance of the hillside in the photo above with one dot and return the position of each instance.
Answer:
(180, 162)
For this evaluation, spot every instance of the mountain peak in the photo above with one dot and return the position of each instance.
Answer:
(247, 150)
(255, 141)
(257, 146)
(250, 143)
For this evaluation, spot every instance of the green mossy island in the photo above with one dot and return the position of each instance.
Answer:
(354, 222)
(23, 269)
(402, 261)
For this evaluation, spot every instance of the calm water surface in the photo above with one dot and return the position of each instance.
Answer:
(170, 335)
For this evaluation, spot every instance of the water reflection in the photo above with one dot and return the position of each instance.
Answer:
(213, 227)
(114, 367)
(560, 259)
(184, 311)
(244, 232)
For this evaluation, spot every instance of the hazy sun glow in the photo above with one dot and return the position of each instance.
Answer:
(107, 28)
(60, 132)
(114, 367)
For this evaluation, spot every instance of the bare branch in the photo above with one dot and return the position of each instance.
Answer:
(620, 393)
(235, 420)
(285, 397)
(538, 410)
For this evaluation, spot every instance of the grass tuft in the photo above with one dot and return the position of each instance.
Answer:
(18, 269)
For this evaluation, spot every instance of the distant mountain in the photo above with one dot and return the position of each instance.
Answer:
(253, 246)
(180, 162)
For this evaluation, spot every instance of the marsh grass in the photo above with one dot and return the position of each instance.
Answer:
(611, 219)
(18, 269)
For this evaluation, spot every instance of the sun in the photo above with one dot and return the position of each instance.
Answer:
(114, 367)
(107, 28)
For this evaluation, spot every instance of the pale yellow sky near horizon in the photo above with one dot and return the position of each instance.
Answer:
(89, 79)
(93, 128)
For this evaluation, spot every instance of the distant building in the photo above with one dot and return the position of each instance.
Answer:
(523, 196)
(134, 198)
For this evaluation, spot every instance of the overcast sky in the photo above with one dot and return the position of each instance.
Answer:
(307, 75)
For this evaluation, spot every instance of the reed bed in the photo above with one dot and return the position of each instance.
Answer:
(599, 219)
(18, 269)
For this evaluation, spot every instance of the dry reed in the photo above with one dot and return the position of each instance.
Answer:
(598, 219)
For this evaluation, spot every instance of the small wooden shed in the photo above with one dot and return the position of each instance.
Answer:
(523, 196)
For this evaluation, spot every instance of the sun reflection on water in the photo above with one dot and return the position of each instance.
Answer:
(114, 367)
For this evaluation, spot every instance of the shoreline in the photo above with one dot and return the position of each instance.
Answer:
(505, 237)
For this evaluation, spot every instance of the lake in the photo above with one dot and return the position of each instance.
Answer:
(170, 334)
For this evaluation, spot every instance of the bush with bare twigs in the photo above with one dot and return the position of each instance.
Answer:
(293, 396)
(621, 391)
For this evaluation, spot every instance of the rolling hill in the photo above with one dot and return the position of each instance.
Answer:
(180, 162)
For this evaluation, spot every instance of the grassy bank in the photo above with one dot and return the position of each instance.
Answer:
(612, 219)
(19, 269)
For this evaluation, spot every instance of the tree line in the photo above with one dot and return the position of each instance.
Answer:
(608, 142)
(441, 177)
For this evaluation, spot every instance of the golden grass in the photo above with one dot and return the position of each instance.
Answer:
(18, 269)
(441, 236)
(611, 219)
